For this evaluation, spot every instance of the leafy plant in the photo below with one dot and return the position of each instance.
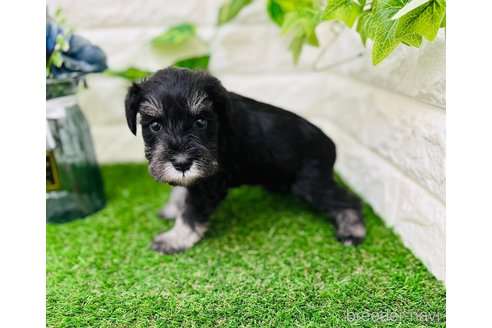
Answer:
(230, 9)
(56, 58)
(345, 10)
(200, 62)
(69, 55)
(423, 21)
(302, 22)
(56, 42)
(387, 22)
(175, 35)
(133, 74)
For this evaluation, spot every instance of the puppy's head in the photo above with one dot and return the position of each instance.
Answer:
(181, 113)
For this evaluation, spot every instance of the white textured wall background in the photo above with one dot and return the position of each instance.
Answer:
(388, 121)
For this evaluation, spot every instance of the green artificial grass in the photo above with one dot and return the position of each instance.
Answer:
(267, 261)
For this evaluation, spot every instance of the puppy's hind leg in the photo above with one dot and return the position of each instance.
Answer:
(174, 205)
(318, 188)
(350, 226)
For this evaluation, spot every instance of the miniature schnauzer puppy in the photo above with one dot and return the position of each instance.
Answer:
(204, 140)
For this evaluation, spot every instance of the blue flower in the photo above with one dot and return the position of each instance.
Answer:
(52, 30)
(81, 58)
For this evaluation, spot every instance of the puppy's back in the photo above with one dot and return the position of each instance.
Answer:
(278, 132)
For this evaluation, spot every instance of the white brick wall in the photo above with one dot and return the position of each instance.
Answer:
(388, 121)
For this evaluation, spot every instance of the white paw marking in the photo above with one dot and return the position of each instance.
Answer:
(179, 238)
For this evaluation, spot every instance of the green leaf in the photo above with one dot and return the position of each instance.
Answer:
(303, 22)
(412, 39)
(364, 26)
(132, 73)
(312, 40)
(424, 20)
(290, 5)
(175, 35)
(59, 16)
(57, 59)
(296, 46)
(385, 37)
(409, 7)
(62, 44)
(58, 12)
(345, 10)
(443, 23)
(200, 62)
(305, 19)
(230, 9)
(291, 21)
(277, 9)
(312, 17)
(275, 12)
(385, 42)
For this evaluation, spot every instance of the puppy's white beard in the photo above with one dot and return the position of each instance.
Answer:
(170, 174)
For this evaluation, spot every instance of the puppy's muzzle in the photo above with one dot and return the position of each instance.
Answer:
(182, 164)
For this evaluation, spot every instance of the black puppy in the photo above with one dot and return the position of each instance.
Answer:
(204, 140)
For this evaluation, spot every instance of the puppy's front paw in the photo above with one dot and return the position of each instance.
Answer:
(169, 212)
(175, 204)
(350, 227)
(164, 243)
(179, 238)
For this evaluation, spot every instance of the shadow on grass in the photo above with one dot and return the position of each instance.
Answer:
(257, 209)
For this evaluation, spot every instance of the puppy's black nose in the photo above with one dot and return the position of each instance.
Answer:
(182, 164)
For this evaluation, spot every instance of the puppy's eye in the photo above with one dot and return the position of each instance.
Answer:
(201, 123)
(154, 126)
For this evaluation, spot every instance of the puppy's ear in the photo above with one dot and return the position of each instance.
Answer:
(131, 106)
(219, 96)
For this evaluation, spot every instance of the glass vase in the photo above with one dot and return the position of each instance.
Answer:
(74, 187)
